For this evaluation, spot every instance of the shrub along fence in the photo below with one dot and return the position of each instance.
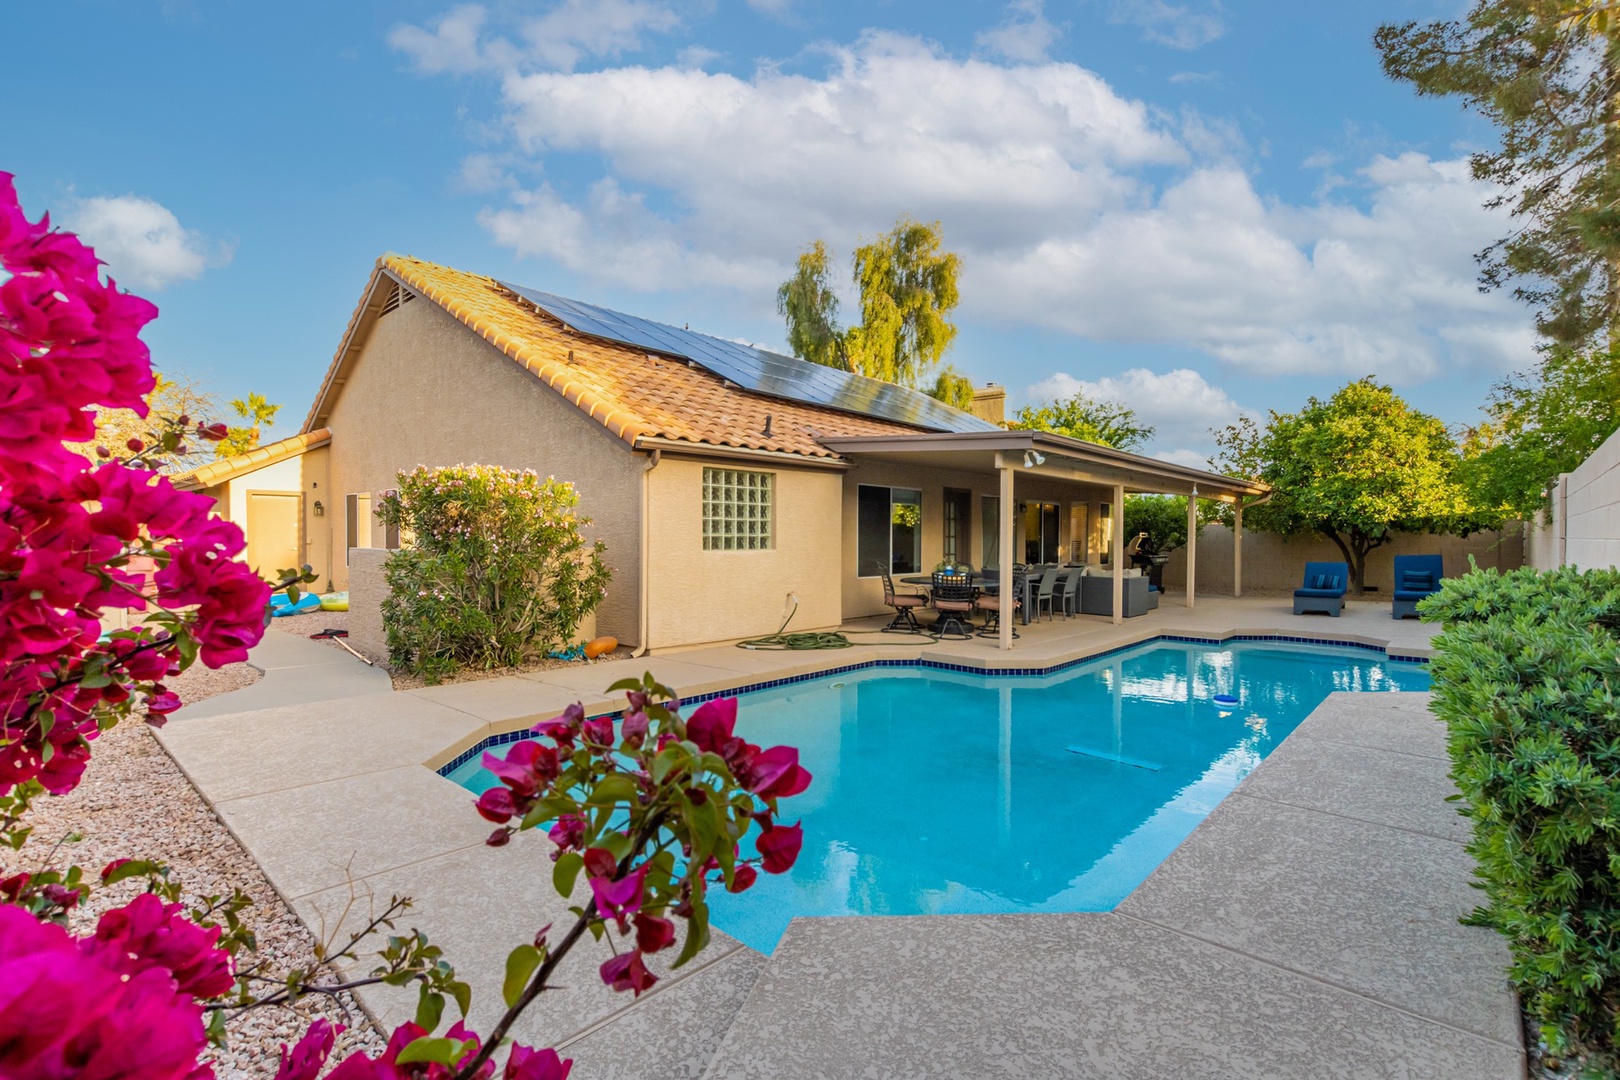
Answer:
(496, 570)
(1526, 673)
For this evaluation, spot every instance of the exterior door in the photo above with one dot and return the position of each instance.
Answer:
(274, 540)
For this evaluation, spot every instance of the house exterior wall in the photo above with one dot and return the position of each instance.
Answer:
(863, 596)
(306, 474)
(1582, 529)
(1272, 563)
(426, 390)
(697, 596)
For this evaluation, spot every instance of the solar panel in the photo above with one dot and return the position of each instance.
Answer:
(760, 370)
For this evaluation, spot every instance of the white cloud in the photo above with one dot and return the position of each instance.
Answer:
(1177, 25)
(559, 39)
(142, 242)
(1180, 405)
(1024, 35)
(1074, 208)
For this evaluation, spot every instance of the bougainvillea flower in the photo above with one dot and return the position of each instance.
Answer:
(634, 728)
(619, 899)
(66, 1013)
(358, 1066)
(527, 767)
(627, 972)
(653, 933)
(526, 1063)
(779, 847)
(598, 730)
(305, 1059)
(599, 862)
(710, 725)
(569, 832)
(742, 878)
(776, 773)
(496, 805)
(146, 932)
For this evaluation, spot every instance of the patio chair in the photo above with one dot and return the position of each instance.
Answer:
(1066, 594)
(1043, 591)
(905, 606)
(953, 599)
(1323, 588)
(1416, 576)
(991, 605)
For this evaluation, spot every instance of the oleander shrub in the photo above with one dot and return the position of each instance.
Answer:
(496, 570)
(1525, 674)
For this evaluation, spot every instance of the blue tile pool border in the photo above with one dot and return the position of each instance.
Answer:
(506, 738)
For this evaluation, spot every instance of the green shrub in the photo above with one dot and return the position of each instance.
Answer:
(1525, 678)
(495, 571)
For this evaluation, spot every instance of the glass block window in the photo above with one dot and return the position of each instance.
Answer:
(737, 510)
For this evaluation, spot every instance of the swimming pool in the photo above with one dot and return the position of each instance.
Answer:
(939, 791)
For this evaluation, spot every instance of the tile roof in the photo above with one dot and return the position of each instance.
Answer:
(632, 393)
(217, 472)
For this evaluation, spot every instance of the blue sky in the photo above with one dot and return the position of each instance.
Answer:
(1197, 207)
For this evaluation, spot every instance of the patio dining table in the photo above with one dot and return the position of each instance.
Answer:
(989, 585)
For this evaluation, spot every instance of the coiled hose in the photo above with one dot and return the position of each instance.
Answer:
(823, 639)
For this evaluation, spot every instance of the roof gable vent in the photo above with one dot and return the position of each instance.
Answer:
(397, 295)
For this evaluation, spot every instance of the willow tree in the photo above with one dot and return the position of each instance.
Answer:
(1109, 423)
(908, 289)
(1546, 73)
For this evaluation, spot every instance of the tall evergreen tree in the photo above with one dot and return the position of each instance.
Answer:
(1547, 74)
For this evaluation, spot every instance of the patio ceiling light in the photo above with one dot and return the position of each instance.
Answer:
(1033, 458)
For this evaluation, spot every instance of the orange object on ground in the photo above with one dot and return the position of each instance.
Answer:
(600, 646)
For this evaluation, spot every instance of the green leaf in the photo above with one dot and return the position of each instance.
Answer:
(429, 1008)
(612, 789)
(549, 809)
(442, 1050)
(566, 871)
(697, 932)
(669, 758)
(521, 964)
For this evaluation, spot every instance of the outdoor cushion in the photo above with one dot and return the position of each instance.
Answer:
(1318, 592)
(1417, 581)
(1323, 581)
(1407, 594)
(902, 600)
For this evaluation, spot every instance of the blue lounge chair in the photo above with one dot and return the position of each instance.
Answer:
(1416, 576)
(1323, 588)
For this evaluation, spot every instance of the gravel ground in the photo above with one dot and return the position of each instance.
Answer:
(135, 802)
(313, 622)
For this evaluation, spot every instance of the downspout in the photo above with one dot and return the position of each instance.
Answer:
(646, 544)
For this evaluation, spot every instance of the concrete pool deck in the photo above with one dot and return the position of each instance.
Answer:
(1307, 927)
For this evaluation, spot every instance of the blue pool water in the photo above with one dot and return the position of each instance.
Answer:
(942, 792)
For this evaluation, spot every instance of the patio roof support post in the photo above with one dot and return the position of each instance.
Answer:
(1005, 548)
(1237, 549)
(1119, 554)
(1192, 544)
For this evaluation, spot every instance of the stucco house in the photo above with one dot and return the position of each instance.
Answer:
(721, 477)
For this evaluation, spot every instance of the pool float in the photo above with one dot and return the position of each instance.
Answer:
(336, 601)
(280, 606)
(600, 646)
(1225, 701)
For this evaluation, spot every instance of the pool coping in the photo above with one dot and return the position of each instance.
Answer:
(466, 748)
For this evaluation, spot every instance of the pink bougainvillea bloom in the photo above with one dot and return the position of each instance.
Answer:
(598, 731)
(779, 847)
(776, 773)
(711, 724)
(569, 832)
(563, 728)
(599, 862)
(742, 878)
(627, 972)
(527, 767)
(305, 1059)
(653, 933)
(529, 1064)
(634, 728)
(146, 933)
(162, 703)
(619, 899)
(358, 1066)
(496, 805)
(65, 1013)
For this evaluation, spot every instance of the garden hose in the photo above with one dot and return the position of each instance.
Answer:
(826, 639)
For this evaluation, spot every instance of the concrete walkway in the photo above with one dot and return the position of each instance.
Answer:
(1308, 927)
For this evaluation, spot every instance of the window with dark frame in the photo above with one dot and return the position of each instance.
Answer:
(888, 530)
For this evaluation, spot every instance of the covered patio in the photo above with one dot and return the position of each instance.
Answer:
(1049, 471)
